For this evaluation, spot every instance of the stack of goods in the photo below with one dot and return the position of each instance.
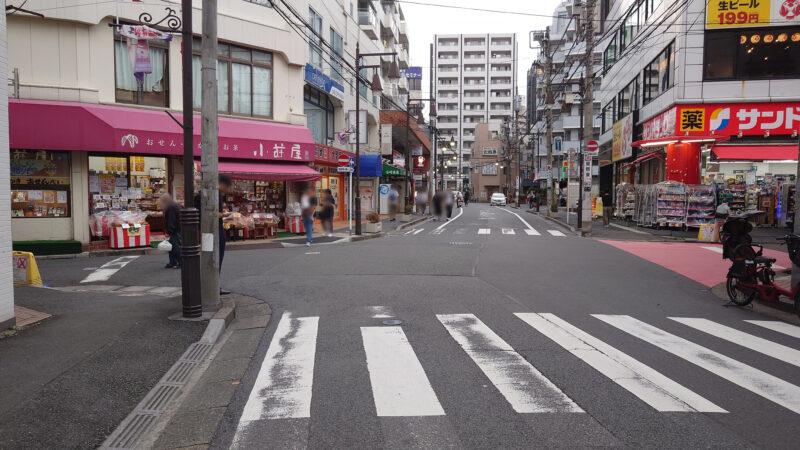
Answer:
(734, 196)
(265, 225)
(671, 204)
(125, 229)
(701, 205)
(238, 226)
(294, 223)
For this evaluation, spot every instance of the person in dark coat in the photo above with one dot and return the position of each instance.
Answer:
(172, 218)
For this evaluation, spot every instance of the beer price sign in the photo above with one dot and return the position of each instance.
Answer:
(752, 13)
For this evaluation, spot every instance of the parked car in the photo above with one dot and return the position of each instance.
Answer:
(497, 199)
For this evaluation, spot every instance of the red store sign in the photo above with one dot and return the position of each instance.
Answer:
(420, 163)
(660, 125)
(751, 119)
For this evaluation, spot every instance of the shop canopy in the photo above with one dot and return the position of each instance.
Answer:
(392, 171)
(266, 171)
(755, 152)
(51, 125)
(666, 140)
(643, 158)
(370, 166)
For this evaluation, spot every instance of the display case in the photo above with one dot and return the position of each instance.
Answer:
(670, 204)
(734, 195)
(626, 201)
(700, 205)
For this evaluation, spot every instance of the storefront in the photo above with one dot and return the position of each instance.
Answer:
(111, 163)
(326, 162)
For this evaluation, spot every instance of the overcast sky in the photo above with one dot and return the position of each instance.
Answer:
(424, 21)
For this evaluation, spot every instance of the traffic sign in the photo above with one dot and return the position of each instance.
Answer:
(592, 147)
(345, 169)
(344, 161)
(352, 163)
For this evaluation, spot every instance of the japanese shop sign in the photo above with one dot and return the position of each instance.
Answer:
(622, 138)
(660, 125)
(315, 77)
(330, 154)
(751, 13)
(729, 119)
(420, 164)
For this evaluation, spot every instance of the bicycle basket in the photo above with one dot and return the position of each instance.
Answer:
(793, 244)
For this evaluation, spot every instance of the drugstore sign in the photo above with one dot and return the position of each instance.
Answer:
(751, 119)
(751, 13)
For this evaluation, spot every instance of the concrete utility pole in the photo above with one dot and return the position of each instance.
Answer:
(796, 226)
(209, 194)
(585, 214)
(551, 198)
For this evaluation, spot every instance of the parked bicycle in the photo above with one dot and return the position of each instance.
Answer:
(751, 274)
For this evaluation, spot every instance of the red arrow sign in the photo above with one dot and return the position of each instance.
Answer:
(592, 146)
(344, 161)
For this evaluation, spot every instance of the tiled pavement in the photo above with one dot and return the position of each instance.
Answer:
(26, 316)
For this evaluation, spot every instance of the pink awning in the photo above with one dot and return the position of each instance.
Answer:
(755, 152)
(268, 171)
(50, 125)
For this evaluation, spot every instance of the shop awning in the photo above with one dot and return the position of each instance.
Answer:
(666, 140)
(392, 171)
(50, 125)
(370, 166)
(755, 152)
(268, 171)
(643, 158)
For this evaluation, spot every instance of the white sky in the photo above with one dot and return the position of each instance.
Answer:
(425, 21)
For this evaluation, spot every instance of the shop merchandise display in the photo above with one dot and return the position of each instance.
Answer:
(734, 195)
(785, 209)
(645, 203)
(700, 206)
(255, 204)
(626, 201)
(671, 204)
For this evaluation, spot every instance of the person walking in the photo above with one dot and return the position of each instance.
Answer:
(421, 200)
(223, 186)
(459, 199)
(607, 207)
(326, 217)
(466, 197)
(394, 198)
(436, 202)
(448, 203)
(531, 199)
(172, 219)
(308, 206)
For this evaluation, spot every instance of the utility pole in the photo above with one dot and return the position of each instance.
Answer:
(551, 198)
(190, 216)
(587, 116)
(209, 145)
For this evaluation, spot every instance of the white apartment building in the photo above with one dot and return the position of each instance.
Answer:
(698, 92)
(6, 279)
(475, 80)
(568, 50)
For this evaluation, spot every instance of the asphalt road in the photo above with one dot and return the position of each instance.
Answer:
(509, 339)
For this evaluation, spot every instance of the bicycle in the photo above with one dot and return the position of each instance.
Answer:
(751, 275)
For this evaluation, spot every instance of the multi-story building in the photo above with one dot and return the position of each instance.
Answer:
(700, 92)
(6, 278)
(475, 80)
(564, 40)
(490, 166)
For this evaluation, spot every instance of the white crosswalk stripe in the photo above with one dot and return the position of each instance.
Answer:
(780, 327)
(399, 384)
(107, 270)
(532, 232)
(484, 231)
(650, 386)
(769, 348)
(508, 231)
(555, 232)
(761, 383)
(524, 387)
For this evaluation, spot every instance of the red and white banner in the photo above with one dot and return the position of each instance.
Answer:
(751, 119)
(659, 126)
(127, 237)
(294, 225)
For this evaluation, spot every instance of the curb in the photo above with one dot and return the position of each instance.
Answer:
(778, 311)
(554, 220)
(172, 386)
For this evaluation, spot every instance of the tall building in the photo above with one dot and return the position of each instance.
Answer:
(6, 278)
(475, 80)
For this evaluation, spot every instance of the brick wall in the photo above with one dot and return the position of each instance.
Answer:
(6, 281)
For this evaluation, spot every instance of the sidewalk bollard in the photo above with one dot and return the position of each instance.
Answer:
(190, 263)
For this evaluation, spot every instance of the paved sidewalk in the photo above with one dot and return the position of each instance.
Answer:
(26, 316)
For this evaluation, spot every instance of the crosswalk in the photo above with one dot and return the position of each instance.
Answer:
(482, 231)
(401, 385)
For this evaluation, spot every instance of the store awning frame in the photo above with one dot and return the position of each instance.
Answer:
(642, 158)
(772, 152)
(675, 139)
(264, 171)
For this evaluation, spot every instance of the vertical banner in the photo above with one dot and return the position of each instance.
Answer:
(362, 125)
(386, 139)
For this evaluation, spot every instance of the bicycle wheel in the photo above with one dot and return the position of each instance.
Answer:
(740, 297)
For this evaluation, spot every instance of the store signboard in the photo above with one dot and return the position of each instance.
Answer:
(622, 138)
(386, 139)
(398, 159)
(659, 126)
(362, 126)
(412, 73)
(316, 78)
(752, 13)
(39, 172)
(750, 119)
(420, 164)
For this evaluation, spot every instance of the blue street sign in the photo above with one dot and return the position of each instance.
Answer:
(352, 162)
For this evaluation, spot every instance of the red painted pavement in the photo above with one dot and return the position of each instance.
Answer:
(689, 259)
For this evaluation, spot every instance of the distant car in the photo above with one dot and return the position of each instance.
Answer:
(497, 199)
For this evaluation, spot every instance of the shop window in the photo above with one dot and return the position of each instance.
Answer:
(150, 89)
(610, 55)
(629, 29)
(337, 46)
(752, 54)
(658, 76)
(40, 183)
(128, 183)
(244, 80)
(626, 100)
(319, 114)
(314, 41)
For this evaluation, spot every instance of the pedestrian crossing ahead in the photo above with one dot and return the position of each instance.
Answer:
(483, 231)
(401, 386)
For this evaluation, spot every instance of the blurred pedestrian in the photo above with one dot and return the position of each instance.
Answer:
(326, 215)
(607, 207)
(466, 197)
(172, 219)
(448, 203)
(394, 198)
(308, 207)
(531, 199)
(459, 199)
(223, 186)
(437, 203)
(421, 200)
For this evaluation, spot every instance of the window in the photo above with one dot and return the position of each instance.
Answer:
(610, 55)
(40, 183)
(244, 80)
(362, 86)
(151, 88)
(752, 54)
(414, 84)
(490, 151)
(626, 100)
(629, 28)
(336, 64)
(314, 41)
(319, 114)
(658, 75)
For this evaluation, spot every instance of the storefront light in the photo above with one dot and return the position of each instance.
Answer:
(768, 38)
(755, 39)
(742, 39)
(659, 143)
(796, 37)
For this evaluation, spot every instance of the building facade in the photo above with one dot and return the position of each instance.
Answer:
(490, 167)
(6, 277)
(475, 80)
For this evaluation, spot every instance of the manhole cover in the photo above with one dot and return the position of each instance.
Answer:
(392, 322)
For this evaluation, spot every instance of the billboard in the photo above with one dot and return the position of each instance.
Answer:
(751, 13)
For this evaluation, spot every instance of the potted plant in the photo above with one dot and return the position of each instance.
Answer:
(373, 224)
(406, 217)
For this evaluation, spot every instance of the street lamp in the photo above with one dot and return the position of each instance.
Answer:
(394, 73)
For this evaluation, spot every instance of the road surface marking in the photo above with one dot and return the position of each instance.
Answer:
(460, 212)
(780, 327)
(532, 232)
(508, 231)
(108, 269)
(719, 250)
(524, 387)
(460, 231)
(484, 231)
(380, 312)
(418, 231)
(769, 348)
(761, 383)
(399, 384)
(649, 385)
(409, 232)
(529, 229)
(555, 232)
(437, 231)
(283, 386)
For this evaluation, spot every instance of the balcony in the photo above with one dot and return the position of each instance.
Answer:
(402, 58)
(474, 42)
(402, 28)
(474, 56)
(368, 22)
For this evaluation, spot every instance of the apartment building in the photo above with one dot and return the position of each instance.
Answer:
(6, 278)
(565, 41)
(475, 80)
